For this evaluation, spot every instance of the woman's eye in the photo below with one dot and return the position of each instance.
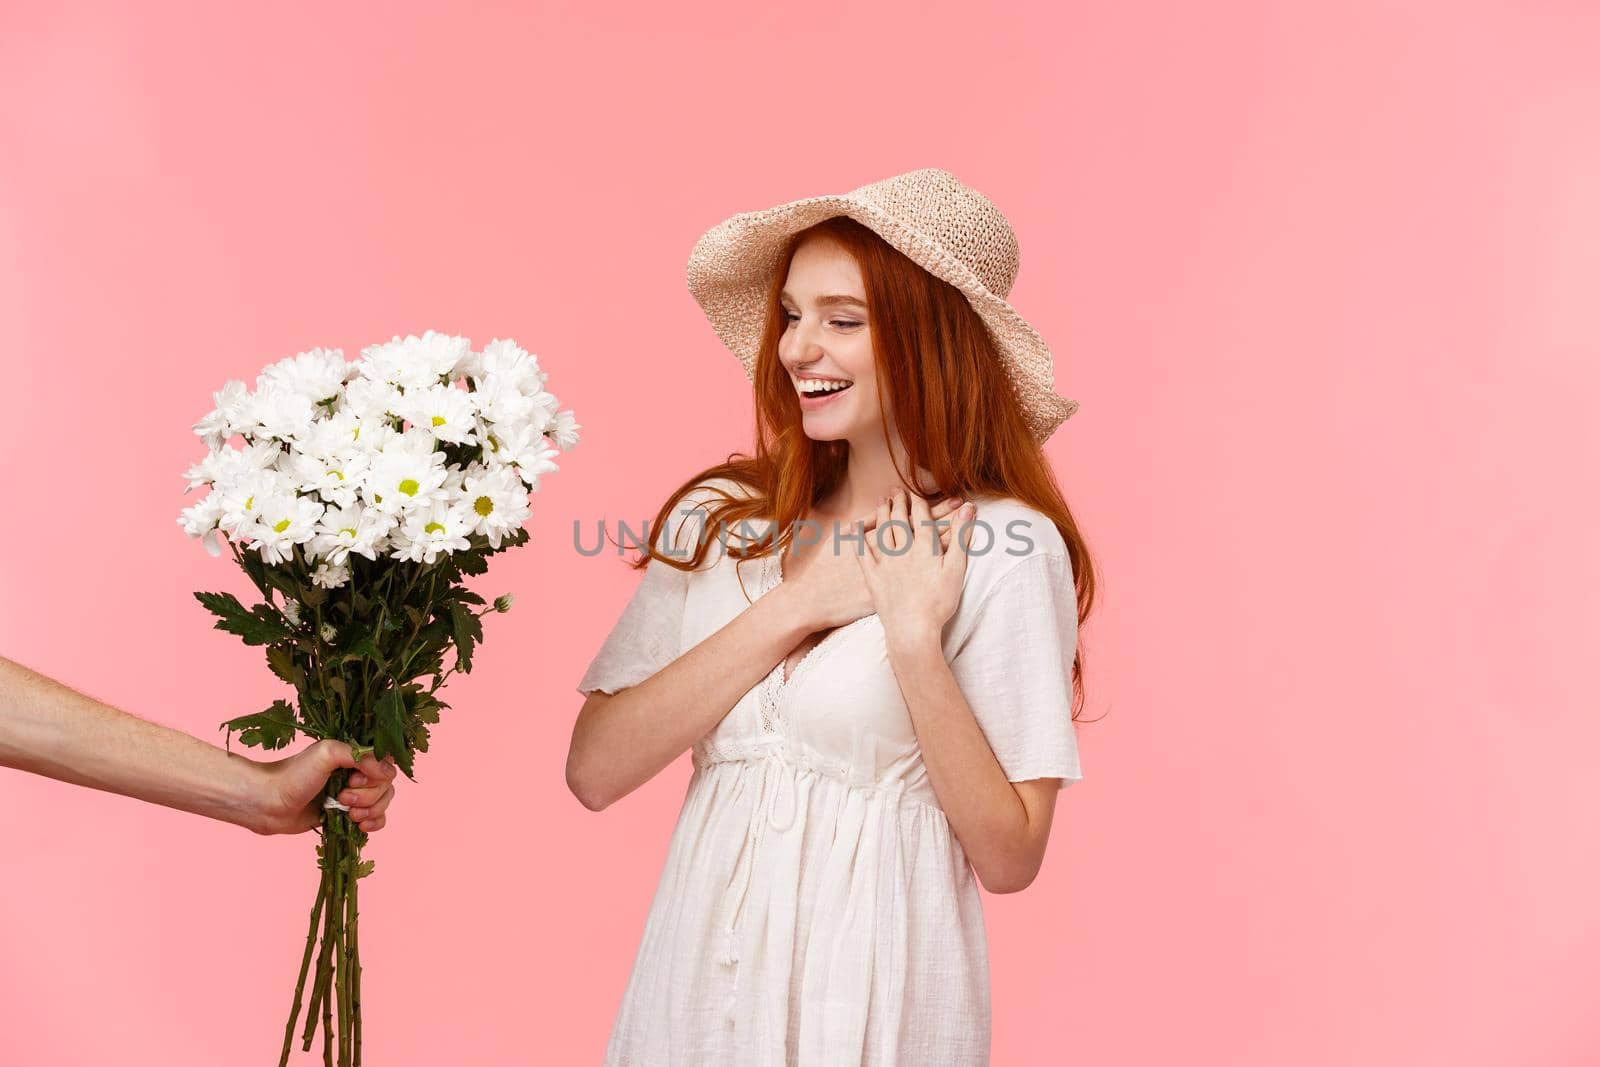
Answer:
(789, 316)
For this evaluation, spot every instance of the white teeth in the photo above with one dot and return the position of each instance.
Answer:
(819, 385)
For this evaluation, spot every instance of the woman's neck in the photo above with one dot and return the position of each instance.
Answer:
(869, 475)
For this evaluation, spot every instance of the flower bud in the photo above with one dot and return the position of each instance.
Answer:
(502, 603)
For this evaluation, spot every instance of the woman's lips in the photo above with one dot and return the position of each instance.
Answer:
(812, 401)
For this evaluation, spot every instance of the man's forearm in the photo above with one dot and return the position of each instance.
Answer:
(50, 729)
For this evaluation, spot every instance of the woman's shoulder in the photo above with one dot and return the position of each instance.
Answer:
(1013, 541)
(692, 511)
(1013, 531)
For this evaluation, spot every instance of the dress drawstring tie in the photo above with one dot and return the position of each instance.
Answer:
(777, 809)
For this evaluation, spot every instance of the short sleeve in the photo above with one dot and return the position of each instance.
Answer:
(1014, 667)
(649, 634)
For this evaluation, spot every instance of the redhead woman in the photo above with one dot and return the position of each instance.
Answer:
(866, 636)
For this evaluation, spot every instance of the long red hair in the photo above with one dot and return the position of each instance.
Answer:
(955, 412)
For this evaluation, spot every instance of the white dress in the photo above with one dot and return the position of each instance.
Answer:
(815, 908)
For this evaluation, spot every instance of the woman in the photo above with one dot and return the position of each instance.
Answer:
(877, 725)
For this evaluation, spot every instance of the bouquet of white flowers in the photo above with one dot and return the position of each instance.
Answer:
(363, 493)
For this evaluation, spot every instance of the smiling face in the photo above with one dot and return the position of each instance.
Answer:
(826, 344)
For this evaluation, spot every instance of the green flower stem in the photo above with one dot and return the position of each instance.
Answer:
(305, 965)
(354, 954)
(341, 973)
(331, 817)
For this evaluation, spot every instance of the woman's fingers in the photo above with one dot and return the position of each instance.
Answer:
(939, 509)
(921, 520)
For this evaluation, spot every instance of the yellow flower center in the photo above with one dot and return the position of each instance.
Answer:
(409, 487)
(483, 505)
(438, 420)
(349, 530)
(281, 525)
(249, 500)
(494, 443)
(433, 527)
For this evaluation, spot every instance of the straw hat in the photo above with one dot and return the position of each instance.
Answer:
(949, 229)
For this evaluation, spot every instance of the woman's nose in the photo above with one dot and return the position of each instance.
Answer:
(801, 346)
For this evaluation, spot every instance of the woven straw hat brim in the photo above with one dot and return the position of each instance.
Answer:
(732, 263)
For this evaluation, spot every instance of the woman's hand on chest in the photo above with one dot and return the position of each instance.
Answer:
(829, 572)
(913, 577)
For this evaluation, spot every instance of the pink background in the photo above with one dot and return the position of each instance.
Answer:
(1323, 277)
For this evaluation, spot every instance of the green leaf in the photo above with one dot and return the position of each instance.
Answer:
(471, 562)
(261, 625)
(419, 737)
(314, 595)
(273, 728)
(256, 570)
(467, 596)
(365, 867)
(281, 660)
(469, 631)
(282, 581)
(389, 735)
(363, 648)
(424, 707)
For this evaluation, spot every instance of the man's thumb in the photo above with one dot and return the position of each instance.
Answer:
(334, 754)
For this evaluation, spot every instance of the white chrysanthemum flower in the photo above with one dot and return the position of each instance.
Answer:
(563, 430)
(283, 412)
(227, 463)
(506, 359)
(432, 530)
(415, 362)
(530, 453)
(329, 632)
(228, 417)
(330, 576)
(443, 410)
(291, 610)
(495, 502)
(375, 435)
(495, 454)
(283, 522)
(352, 528)
(337, 478)
(333, 436)
(500, 402)
(244, 495)
(316, 375)
(370, 400)
(200, 520)
(408, 474)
